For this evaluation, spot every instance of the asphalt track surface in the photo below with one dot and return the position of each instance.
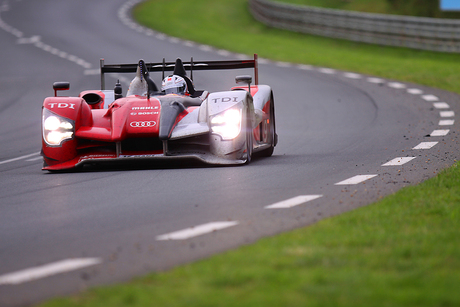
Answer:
(71, 231)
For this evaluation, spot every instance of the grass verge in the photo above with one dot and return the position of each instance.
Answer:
(401, 251)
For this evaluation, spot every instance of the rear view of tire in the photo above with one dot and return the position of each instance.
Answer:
(249, 140)
(272, 137)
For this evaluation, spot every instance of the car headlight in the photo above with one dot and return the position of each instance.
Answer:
(56, 129)
(227, 124)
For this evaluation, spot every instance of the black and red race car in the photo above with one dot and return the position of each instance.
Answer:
(175, 121)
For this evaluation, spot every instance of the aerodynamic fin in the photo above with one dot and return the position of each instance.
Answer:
(142, 83)
(179, 69)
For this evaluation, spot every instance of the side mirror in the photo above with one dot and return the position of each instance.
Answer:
(60, 86)
(244, 79)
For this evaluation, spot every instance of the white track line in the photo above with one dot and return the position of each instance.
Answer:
(430, 97)
(205, 48)
(283, 64)
(425, 145)
(352, 75)
(47, 270)
(225, 53)
(446, 122)
(190, 44)
(20, 158)
(396, 85)
(261, 60)
(161, 36)
(398, 161)
(174, 40)
(414, 91)
(447, 113)
(355, 180)
(441, 105)
(89, 72)
(304, 67)
(196, 231)
(375, 80)
(29, 40)
(327, 71)
(441, 132)
(292, 202)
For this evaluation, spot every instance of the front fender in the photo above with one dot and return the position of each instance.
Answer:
(220, 102)
(78, 112)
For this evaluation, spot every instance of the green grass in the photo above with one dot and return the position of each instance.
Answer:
(401, 251)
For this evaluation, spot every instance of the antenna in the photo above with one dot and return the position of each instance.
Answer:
(102, 74)
(191, 68)
(256, 68)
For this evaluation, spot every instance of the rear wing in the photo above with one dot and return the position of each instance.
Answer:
(191, 66)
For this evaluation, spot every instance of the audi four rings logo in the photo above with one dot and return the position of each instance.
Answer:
(144, 124)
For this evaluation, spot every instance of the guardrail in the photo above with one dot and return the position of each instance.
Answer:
(403, 31)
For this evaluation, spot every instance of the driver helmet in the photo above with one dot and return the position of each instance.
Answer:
(174, 85)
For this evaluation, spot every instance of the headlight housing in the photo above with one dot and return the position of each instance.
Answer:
(56, 129)
(227, 124)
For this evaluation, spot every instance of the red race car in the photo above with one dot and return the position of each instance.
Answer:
(175, 121)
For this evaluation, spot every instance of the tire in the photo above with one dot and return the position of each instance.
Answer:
(249, 140)
(272, 136)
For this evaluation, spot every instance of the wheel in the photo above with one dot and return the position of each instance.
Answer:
(272, 137)
(249, 140)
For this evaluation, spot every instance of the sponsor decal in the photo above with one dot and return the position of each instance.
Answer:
(95, 157)
(62, 105)
(144, 108)
(141, 156)
(144, 113)
(225, 99)
(143, 124)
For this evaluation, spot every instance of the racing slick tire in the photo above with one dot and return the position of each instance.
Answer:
(272, 136)
(249, 140)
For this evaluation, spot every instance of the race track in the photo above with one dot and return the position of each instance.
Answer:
(69, 231)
